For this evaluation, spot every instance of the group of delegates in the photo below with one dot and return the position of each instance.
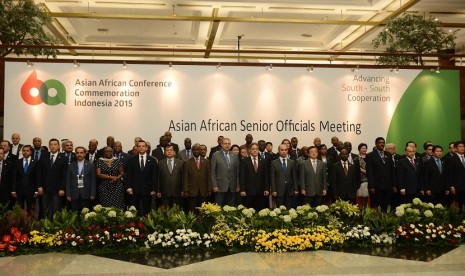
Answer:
(48, 179)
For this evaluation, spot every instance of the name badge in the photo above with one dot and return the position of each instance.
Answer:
(80, 181)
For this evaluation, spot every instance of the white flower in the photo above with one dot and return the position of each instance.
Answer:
(264, 212)
(416, 211)
(247, 212)
(431, 205)
(98, 208)
(112, 214)
(283, 208)
(272, 214)
(287, 218)
(439, 206)
(228, 208)
(409, 210)
(312, 215)
(293, 213)
(89, 215)
(277, 210)
(73, 243)
(128, 214)
(240, 207)
(132, 208)
(428, 213)
(400, 213)
(85, 210)
(416, 201)
(322, 208)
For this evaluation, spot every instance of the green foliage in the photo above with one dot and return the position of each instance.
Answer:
(379, 221)
(169, 219)
(16, 217)
(22, 23)
(412, 34)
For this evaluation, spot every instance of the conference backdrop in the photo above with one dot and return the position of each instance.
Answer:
(57, 100)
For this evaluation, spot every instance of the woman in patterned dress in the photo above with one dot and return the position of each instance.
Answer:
(110, 172)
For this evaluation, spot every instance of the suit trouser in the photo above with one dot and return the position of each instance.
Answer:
(225, 198)
(256, 201)
(171, 201)
(195, 201)
(437, 198)
(285, 200)
(51, 203)
(27, 200)
(460, 198)
(382, 198)
(143, 203)
(313, 201)
(79, 204)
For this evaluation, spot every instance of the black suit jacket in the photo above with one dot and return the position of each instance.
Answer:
(26, 183)
(213, 150)
(11, 158)
(283, 183)
(408, 177)
(251, 182)
(435, 180)
(456, 173)
(344, 186)
(380, 171)
(158, 153)
(142, 182)
(332, 152)
(53, 176)
(6, 182)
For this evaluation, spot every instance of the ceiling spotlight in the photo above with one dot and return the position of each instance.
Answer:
(397, 70)
(125, 65)
(435, 70)
(76, 63)
(310, 69)
(29, 63)
(219, 66)
(170, 66)
(356, 68)
(269, 67)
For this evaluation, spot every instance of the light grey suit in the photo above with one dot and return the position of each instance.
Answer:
(224, 177)
(313, 183)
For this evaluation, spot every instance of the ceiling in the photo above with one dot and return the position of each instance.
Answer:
(185, 28)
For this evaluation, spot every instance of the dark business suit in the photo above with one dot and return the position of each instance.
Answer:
(457, 178)
(81, 197)
(25, 184)
(435, 181)
(313, 183)
(213, 150)
(344, 186)
(6, 184)
(70, 157)
(284, 184)
(54, 180)
(142, 182)
(159, 153)
(10, 158)
(225, 177)
(197, 183)
(381, 177)
(94, 161)
(333, 152)
(254, 184)
(170, 183)
(182, 155)
(409, 178)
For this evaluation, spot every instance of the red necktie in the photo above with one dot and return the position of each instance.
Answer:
(198, 163)
(255, 165)
(345, 168)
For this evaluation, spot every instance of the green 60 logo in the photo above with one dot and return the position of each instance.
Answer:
(35, 91)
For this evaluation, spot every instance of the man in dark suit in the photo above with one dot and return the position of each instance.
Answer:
(332, 151)
(37, 150)
(186, 153)
(136, 140)
(225, 174)
(343, 178)
(8, 156)
(81, 182)
(68, 151)
(296, 153)
(283, 178)
(197, 183)
(110, 143)
(380, 173)
(313, 178)
(159, 151)
(142, 179)
(216, 148)
(120, 155)
(248, 141)
(169, 137)
(92, 155)
(54, 168)
(16, 146)
(409, 176)
(456, 168)
(254, 179)
(6, 179)
(26, 179)
(170, 179)
(436, 185)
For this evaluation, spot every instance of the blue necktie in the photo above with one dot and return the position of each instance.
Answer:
(227, 158)
(284, 166)
(438, 162)
(26, 165)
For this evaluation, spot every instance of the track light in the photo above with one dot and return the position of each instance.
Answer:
(125, 65)
(219, 66)
(356, 68)
(76, 63)
(29, 63)
(310, 69)
(269, 67)
(435, 70)
(397, 70)
(170, 66)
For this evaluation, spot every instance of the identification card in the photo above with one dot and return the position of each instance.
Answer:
(80, 183)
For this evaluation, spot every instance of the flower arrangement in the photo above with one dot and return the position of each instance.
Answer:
(181, 238)
(10, 242)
